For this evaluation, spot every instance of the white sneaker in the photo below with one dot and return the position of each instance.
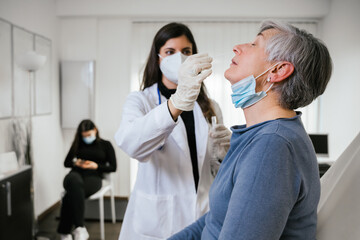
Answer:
(80, 233)
(66, 237)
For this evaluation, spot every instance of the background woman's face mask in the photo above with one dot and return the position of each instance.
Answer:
(90, 139)
(170, 66)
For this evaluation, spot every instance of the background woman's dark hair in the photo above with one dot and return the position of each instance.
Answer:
(85, 125)
(152, 72)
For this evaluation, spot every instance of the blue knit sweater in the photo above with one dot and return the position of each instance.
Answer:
(267, 188)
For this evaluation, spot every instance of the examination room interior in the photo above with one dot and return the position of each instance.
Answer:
(116, 35)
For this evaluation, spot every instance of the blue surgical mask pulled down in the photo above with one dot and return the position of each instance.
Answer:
(170, 66)
(244, 94)
(89, 139)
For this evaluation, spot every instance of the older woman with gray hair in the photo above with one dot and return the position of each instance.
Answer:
(268, 185)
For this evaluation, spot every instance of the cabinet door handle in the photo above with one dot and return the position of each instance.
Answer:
(8, 197)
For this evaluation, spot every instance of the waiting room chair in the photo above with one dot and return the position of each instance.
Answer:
(107, 186)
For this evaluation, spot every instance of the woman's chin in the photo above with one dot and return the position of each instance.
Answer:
(227, 74)
(229, 77)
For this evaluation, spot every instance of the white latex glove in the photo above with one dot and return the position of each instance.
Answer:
(220, 140)
(192, 73)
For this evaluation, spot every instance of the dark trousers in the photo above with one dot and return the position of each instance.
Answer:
(78, 187)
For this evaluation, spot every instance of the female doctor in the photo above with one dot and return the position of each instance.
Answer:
(166, 127)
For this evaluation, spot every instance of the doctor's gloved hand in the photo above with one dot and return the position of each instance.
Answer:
(220, 140)
(192, 73)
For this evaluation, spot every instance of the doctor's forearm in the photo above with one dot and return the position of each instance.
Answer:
(175, 113)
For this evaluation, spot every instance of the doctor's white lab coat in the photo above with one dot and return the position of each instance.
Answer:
(164, 199)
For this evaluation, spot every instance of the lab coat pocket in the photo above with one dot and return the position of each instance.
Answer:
(153, 215)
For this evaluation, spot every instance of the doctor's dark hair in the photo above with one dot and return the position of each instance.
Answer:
(311, 60)
(152, 72)
(85, 125)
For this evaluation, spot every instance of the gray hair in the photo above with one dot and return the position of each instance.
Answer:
(311, 60)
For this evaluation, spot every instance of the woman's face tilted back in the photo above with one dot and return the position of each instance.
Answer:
(250, 59)
(172, 46)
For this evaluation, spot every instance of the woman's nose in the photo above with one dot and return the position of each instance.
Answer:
(237, 49)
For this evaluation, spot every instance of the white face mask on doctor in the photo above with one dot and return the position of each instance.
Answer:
(170, 66)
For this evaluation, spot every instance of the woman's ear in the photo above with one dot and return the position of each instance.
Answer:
(281, 72)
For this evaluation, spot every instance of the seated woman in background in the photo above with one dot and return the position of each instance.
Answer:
(268, 185)
(89, 157)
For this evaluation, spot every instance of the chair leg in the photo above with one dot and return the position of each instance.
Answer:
(112, 199)
(101, 207)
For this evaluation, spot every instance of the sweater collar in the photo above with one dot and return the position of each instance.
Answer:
(243, 128)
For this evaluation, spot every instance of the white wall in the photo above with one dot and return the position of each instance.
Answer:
(194, 9)
(39, 17)
(106, 41)
(340, 116)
